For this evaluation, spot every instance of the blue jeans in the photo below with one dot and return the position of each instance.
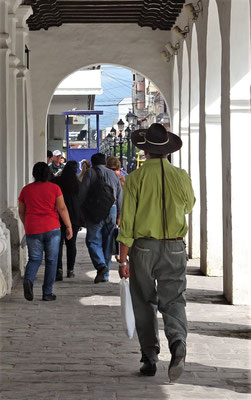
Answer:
(47, 242)
(99, 240)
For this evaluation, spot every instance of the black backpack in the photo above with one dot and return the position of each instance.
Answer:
(99, 199)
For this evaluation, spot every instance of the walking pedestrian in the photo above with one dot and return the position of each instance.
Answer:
(70, 185)
(56, 166)
(39, 205)
(99, 235)
(85, 165)
(156, 198)
(49, 157)
(114, 164)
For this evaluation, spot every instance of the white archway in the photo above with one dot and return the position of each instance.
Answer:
(110, 44)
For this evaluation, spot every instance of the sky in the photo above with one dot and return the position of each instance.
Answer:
(116, 84)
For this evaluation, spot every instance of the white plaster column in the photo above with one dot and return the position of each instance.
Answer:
(209, 51)
(5, 261)
(12, 111)
(4, 103)
(194, 216)
(10, 214)
(214, 265)
(176, 110)
(184, 117)
(214, 194)
(12, 136)
(23, 13)
(5, 248)
(29, 142)
(237, 283)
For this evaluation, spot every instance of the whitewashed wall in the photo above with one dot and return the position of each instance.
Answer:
(15, 136)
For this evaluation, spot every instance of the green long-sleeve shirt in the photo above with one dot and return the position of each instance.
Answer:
(142, 213)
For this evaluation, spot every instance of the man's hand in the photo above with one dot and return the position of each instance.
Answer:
(124, 271)
(118, 221)
(69, 233)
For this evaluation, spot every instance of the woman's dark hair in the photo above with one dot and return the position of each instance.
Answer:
(68, 179)
(41, 172)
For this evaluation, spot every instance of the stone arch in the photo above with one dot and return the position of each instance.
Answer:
(59, 123)
(167, 100)
(110, 44)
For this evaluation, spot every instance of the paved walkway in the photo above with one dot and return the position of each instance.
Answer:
(75, 348)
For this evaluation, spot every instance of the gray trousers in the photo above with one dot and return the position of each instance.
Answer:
(158, 282)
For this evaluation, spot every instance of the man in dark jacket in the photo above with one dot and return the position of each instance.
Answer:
(99, 236)
(56, 167)
(70, 187)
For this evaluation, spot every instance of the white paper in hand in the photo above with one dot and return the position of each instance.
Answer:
(127, 313)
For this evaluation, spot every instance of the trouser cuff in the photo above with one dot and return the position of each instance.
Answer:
(150, 355)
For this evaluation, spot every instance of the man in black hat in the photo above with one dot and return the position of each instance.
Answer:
(156, 198)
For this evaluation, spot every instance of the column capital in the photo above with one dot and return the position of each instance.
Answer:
(13, 5)
(13, 61)
(194, 127)
(240, 105)
(3, 241)
(214, 119)
(5, 40)
(21, 30)
(22, 70)
(23, 13)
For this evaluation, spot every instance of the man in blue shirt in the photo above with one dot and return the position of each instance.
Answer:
(99, 236)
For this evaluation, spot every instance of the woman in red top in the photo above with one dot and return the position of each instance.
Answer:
(39, 205)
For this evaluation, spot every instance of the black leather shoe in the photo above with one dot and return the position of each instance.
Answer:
(177, 364)
(148, 369)
(49, 297)
(70, 274)
(59, 275)
(28, 289)
(100, 274)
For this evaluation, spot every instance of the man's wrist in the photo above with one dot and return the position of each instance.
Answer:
(123, 263)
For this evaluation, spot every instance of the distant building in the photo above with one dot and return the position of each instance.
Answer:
(124, 106)
(76, 92)
(147, 101)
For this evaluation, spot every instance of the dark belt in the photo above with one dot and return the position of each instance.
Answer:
(178, 238)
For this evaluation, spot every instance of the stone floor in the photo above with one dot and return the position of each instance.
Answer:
(75, 348)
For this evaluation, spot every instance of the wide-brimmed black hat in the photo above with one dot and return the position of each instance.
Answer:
(156, 139)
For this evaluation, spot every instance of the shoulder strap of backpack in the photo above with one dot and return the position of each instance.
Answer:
(99, 173)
